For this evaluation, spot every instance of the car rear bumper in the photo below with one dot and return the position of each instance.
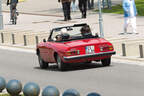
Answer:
(90, 55)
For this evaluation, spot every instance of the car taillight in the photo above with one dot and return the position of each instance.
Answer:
(74, 52)
(106, 47)
(110, 47)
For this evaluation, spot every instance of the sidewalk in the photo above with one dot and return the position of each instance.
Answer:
(37, 25)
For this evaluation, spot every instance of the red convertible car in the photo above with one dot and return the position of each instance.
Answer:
(68, 45)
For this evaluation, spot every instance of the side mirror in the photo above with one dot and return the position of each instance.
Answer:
(44, 40)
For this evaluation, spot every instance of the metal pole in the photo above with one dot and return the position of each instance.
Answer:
(25, 41)
(123, 50)
(1, 16)
(13, 38)
(2, 38)
(100, 19)
(37, 41)
(141, 51)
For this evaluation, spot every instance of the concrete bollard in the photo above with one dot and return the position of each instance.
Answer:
(31, 89)
(123, 50)
(2, 84)
(2, 38)
(37, 40)
(141, 51)
(71, 92)
(93, 94)
(50, 91)
(25, 41)
(13, 39)
(14, 87)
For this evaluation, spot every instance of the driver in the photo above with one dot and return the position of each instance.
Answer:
(63, 36)
(58, 37)
(86, 32)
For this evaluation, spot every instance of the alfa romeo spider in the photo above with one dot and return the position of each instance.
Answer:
(73, 48)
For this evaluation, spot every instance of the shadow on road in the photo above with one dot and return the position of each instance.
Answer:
(74, 67)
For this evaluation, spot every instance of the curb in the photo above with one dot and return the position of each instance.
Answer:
(130, 58)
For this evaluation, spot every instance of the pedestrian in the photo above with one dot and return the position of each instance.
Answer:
(13, 5)
(90, 4)
(73, 5)
(83, 7)
(130, 13)
(66, 4)
(86, 32)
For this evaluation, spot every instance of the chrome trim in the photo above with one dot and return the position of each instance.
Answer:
(90, 55)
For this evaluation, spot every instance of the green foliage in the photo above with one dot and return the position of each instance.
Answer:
(115, 9)
(119, 10)
(140, 7)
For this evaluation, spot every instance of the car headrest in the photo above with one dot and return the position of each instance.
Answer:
(63, 30)
(65, 36)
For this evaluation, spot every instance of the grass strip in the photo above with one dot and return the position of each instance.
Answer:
(117, 9)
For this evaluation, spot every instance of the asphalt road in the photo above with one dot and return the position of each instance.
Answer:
(116, 80)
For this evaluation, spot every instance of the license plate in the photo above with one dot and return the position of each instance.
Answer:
(90, 49)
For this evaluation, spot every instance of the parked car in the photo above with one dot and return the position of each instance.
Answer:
(67, 45)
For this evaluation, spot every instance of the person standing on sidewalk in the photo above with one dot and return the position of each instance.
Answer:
(90, 4)
(83, 7)
(66, 4)
(73, 5)
(13, 5)
(130, 13)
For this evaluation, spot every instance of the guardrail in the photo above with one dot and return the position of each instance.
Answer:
(14, 88)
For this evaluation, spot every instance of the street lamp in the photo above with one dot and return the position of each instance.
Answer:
(1, 16)
(100, 19)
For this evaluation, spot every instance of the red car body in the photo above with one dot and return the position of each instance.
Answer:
(75, 51)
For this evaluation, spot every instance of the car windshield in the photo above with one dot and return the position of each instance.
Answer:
(70, 33)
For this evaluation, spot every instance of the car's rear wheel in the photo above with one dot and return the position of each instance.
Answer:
(42, 63)
(106, 62)
(60, 63)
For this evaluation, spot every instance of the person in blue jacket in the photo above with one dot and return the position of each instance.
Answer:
(130, 13)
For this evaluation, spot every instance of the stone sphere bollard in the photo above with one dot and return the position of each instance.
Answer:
(93, 94)
(2, 84)
(50, 91)
(14, 87)
(71, 92)
(31, 89)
